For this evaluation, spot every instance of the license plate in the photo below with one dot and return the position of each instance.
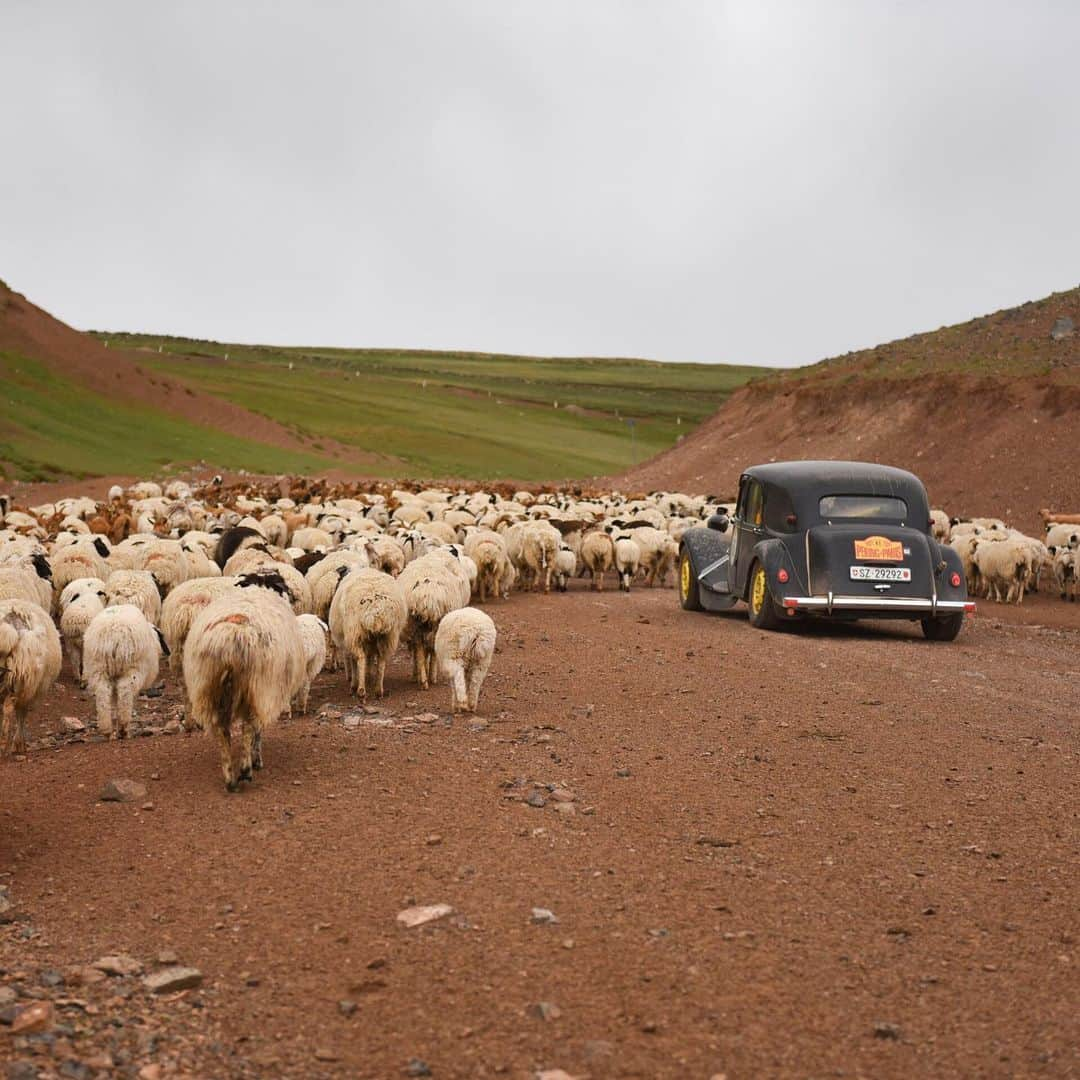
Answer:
(880, 573)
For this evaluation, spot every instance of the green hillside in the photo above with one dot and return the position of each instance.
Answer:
(457, 414)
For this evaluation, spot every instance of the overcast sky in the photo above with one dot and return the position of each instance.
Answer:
(747, 181)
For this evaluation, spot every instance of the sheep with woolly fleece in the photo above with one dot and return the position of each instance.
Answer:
(167, 561)
(367, 618)
(312, 539)
(121, 651)
(27, 577)
(82, 601)
(137, 587)
(627, 559)
(234, 539)
(30, 661)
(1062, 535)
(432, 589)
(1004, 566)
(125, 555)
(964, 546)
(197, 556)
(273, 527)
(939, 525)
(487, 549)
(313, 633)
(244, 663)
(325, 576)
(537, 546)
(145, 489)
(565, 566)
(387, 555)
(597, 556)
(86, 558)
(1066, 566)
(460, 566)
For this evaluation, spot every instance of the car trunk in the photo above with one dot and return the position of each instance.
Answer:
(833, 550)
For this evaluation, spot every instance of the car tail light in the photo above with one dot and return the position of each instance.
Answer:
(791, 602)
(969, 608)
(792, 520)
(782, 576)
(954, 581)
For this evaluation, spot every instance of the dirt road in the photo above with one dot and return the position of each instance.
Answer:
(845, 853)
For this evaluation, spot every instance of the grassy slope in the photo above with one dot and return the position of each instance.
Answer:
(50, 426)
(460, 414)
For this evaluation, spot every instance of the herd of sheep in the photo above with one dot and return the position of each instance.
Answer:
(251, 594)
(1003, 564)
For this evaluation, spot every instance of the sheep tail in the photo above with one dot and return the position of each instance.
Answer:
(224, 700)
(9, 638)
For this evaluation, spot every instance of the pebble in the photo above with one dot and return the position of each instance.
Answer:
(565, 808)
(417, 1067)
(173, 727)
(71, 725)
(171, 979)
(148, 806)
(554, 1074)
(322, 1054)
(35, 1017)
(423, 913)
(167, 958)
(120, 790)
(562, 795)
(121, 965)
(346, 1008)
(883, 1030)
(622, 774)
(535, 798)
(7, 996)
(544, 915)
(434, 840)
(544, 1010)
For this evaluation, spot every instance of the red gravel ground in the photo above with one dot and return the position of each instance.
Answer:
(843, 852)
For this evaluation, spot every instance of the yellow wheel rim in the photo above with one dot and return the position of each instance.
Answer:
(684, 577)
(757, 594)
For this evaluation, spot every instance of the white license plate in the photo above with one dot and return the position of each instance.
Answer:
(880, 573)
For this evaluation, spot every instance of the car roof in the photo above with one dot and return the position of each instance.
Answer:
(803, 482)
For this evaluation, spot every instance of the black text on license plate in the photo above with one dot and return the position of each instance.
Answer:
(880, 573)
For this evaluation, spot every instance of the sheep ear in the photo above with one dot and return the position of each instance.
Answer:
(165, 651)
(341, 572)
(41, 565)
(101, 547)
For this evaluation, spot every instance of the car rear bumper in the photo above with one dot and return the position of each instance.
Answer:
(878, 605)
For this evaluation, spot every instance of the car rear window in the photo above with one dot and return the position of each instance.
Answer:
(874, 507)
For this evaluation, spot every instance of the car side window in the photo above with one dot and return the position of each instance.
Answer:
(755, 504)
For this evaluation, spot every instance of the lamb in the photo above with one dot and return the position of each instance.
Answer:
(1004, 566)
(79, 607)
(313, 632)
(464, 647)
(598, 556)
(431, 590)
(627, 559)
(367, 617)
(83, 559)
(121, 650)
(565, 566)
(244, 662)
(136, 587)
(30, 661)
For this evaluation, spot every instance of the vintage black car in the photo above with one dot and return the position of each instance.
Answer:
(839, 539)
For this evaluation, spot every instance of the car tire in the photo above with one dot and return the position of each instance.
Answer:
(689, 589)
(943, 628)
(760, 604)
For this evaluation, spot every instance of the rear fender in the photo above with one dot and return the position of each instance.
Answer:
(774, 556)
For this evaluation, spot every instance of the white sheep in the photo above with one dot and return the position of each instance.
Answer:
(627, 559)
(367, 618)
(598, 556)
(1003, 566)
(138, 587)
(244, 663)
(1065, 564)
(432, 588)
(30, 661)
(121, 651)
(313, 633)
(487, 549)
(79, 608)
(565, 566)
(464, 647)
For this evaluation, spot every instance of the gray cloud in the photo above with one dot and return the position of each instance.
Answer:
(757, 182)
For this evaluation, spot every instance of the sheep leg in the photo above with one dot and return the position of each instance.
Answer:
(459, 697)
(256, 751)
(433, 669)
(477, 674)
(7, 720)
(361, 675)
(74, 654)
(547, 579)
(221, 733)
(125, 706)
(103, 698)
(21, 742)
(305, 693)
(380, 675)
(247, 755)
